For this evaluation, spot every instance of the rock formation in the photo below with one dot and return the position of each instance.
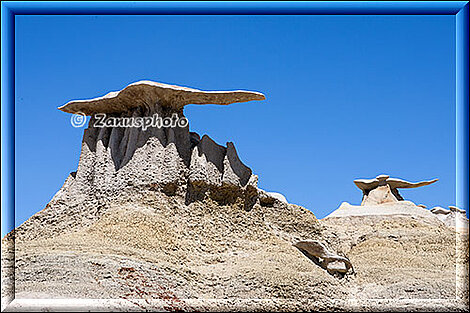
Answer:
(399, 249)
(384, 189)
(453, 217)
(331, 261)
(163, 219)
(381, 198)
(164, 213)
(156, 96)
(169, 158)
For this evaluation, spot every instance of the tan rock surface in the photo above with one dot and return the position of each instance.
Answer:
(402, 257)
(147, 245)
(400, 208)
(148, 93)
(400, 251)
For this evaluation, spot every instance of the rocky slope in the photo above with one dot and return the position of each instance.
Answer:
(149, 244)
(400, 251)
(166, 220)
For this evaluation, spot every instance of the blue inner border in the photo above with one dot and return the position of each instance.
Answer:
(10, 9)
(237, 7)
(462, 116)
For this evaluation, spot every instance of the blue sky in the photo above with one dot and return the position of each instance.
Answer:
(347, 96)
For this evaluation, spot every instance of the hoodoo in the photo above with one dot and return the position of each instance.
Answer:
(168, 158)
(163, 213)
(383, 189)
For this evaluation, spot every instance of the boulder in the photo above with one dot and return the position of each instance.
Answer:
(278, 196)
(337, 267)
(268, 198)
(331, 261)
(439, 210)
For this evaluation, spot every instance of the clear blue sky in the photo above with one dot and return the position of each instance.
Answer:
(347, 96)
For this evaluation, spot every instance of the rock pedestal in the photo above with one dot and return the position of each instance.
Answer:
(167, 158)
(384, 189)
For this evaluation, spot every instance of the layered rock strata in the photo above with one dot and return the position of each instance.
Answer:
(171, 160)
